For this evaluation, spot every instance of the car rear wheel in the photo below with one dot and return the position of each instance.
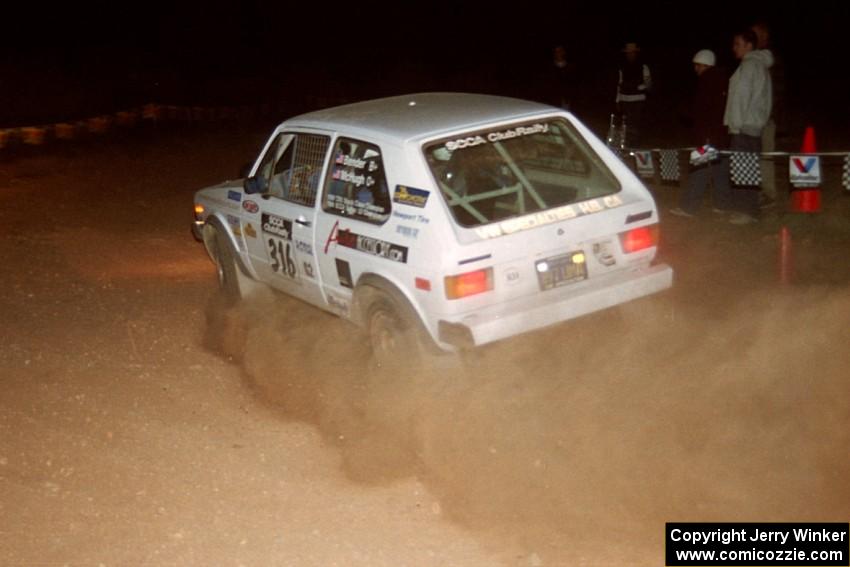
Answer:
(392, 328)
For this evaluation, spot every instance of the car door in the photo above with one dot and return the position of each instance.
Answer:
(282, 250)
(350, 233)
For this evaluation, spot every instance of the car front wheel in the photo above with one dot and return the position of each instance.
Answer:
(232, 282)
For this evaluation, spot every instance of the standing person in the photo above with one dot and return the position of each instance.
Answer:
(633, 84)
(561, 79)
(748, 106)
(708, 108)
(776, 120)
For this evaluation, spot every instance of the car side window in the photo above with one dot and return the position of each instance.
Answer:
(356, 185)
(264, 170)
(292, 166)
(281, 174)
(308, 156)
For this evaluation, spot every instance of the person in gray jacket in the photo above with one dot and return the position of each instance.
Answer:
(776, 124)
(748, 107)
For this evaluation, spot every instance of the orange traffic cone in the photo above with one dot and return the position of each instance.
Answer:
(806, 200)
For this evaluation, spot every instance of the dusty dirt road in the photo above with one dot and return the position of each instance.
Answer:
(141, 422)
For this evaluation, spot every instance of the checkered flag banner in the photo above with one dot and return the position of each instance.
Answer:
(669, 165)
(745, 168)
(845, 176)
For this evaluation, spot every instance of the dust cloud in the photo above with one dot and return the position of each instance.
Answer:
(578, 442)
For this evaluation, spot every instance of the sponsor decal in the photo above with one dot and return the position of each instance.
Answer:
(343, 273)
(278, 226)
(304, 247)
(534, 220)
(249, 230)
(308, 270)
(235, 224)
(331, 236)
(410, 196)
(471, 141)
(250, 206)
(404, 216)
(234, 196)
(407, 231)
(804, 167)
(373, 246)
(410, 217)
(804, 171)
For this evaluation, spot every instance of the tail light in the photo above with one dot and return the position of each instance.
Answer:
(469, 283)
(639, 238)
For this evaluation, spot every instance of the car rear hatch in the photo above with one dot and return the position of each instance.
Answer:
(540, 216)
(540, 255)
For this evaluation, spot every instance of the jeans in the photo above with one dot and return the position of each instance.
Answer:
(716, 173)
(633, 116)
(746, 200)
(768, 173)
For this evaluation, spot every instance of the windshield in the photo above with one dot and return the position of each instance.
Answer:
(493, 175)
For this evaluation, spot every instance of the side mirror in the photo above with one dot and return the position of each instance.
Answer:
(245, 170)
(253, 185)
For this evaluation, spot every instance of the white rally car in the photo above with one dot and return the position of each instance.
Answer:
(437, 220)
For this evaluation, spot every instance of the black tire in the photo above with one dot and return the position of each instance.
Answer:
(393, 329)
(226, 268)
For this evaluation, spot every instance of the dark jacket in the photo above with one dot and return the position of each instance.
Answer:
(709, 106)
(634, 81)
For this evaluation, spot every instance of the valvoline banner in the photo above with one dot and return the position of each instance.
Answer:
(643, 160)
(804, 170)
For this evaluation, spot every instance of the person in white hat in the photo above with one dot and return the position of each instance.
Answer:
(634, 83)
(709, 134)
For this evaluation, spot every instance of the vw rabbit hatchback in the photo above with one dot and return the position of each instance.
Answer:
(437, 220)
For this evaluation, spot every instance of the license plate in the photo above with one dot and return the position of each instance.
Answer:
(561, 270)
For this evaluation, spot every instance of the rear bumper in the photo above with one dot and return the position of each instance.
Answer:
(542, 310)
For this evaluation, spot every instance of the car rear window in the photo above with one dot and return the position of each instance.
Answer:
(497, 174)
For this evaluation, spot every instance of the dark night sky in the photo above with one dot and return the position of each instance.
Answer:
(197, 51)
(214, 28)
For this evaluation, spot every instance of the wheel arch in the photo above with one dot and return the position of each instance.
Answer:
(389, 287)
(214, 224)
(396, 293)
